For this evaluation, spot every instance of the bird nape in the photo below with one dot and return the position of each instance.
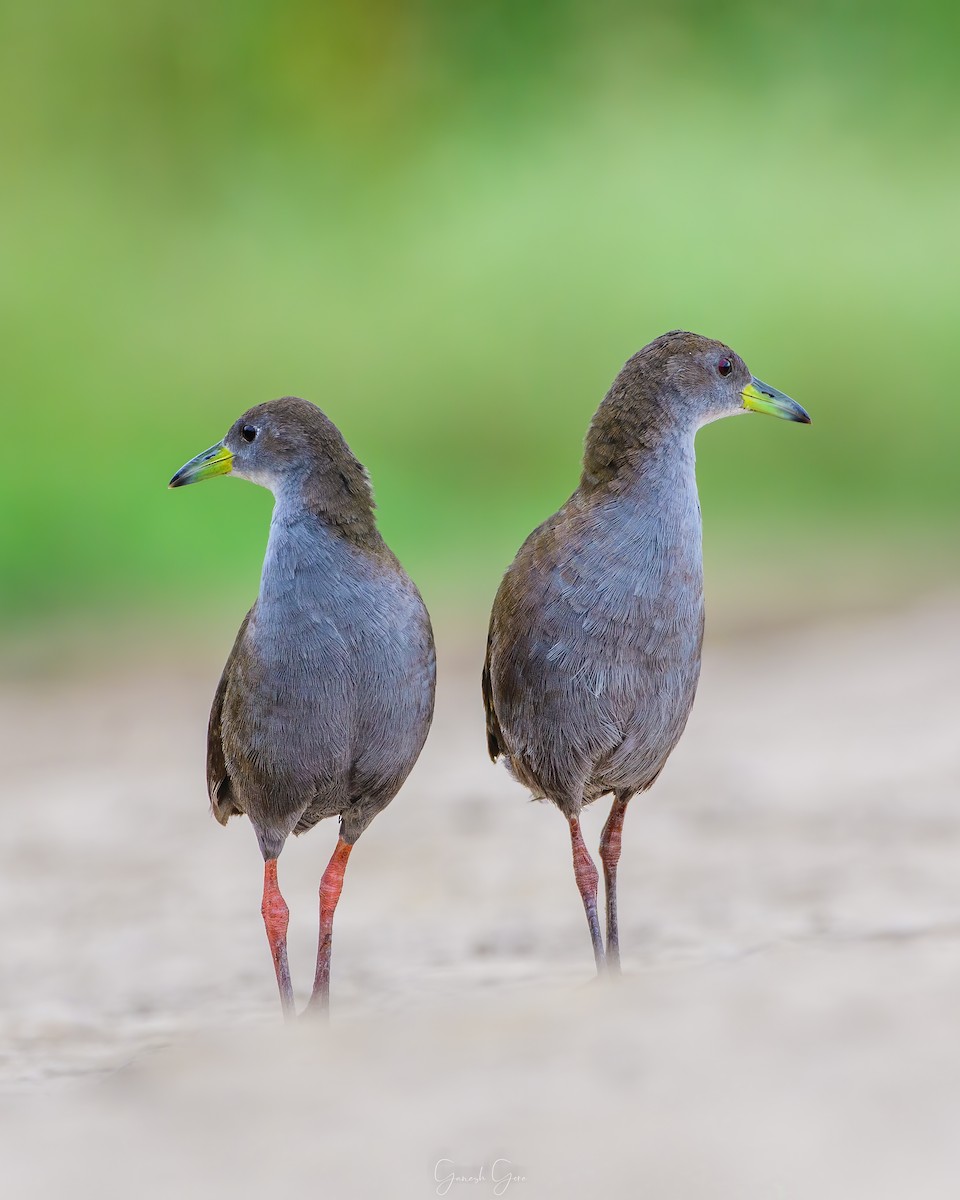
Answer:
(327, 695)
(593, 653)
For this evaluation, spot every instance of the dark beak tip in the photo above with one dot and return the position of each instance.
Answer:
(176, 481)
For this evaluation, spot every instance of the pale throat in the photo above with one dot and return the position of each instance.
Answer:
(300, 550)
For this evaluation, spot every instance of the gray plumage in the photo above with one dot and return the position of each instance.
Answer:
(593, 655)
(327, 696)
(595, 639)
(594, 647)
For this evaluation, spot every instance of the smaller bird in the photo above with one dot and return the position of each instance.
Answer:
(593, 655)
(327, 695)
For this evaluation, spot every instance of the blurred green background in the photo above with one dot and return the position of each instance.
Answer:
(448, 225)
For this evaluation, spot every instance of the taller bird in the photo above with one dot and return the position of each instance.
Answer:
(593, 655)
(327, 696)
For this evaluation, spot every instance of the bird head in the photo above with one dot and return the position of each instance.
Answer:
(274, 444)
(291, 448)
(695, 380)
(678, 382)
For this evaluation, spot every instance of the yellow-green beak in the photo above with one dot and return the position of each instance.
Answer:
(761, 397)
(216, 461)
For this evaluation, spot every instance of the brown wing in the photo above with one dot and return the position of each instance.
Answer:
(218, 780)
(494, 734)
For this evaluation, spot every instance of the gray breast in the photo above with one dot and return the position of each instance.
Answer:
(334, 690)
(594, 668)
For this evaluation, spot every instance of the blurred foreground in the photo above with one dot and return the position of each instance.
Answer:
(790, 921)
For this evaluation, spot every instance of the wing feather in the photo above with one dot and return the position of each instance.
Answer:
(218, 778)
(494, 734)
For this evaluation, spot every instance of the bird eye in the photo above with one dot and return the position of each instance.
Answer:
(248, 433)
(725, 366)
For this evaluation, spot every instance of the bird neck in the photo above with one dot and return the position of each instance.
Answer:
(334, 498)
(648, 512)
(311, 542)
(624, 455)
(633, 433)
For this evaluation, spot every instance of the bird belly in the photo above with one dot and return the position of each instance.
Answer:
(287, 738)
(335, 706)
(652, 712)
(593, 698)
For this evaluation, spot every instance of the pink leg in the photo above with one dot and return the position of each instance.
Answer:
(330, 887)
(610, 843)
(276, 917)
(587, 879)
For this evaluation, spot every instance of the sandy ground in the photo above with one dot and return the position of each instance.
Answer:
(788, 1025)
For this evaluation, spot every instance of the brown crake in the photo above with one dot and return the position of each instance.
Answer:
(327, 695)
(593, 654)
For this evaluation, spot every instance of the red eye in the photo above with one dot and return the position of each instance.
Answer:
(725, 366)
